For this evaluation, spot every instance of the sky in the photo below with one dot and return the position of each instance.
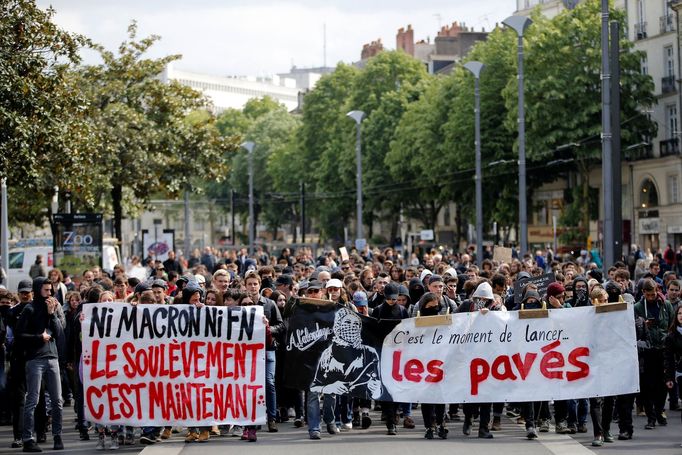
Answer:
(261, 37)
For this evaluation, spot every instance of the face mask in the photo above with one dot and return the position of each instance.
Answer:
(581, 294)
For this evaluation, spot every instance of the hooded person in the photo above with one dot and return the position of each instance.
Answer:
(416, 289)
(580, 292)
(521, 278)
(192, 294)
(39, 330)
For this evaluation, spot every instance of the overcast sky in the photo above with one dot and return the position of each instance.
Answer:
(260, 37)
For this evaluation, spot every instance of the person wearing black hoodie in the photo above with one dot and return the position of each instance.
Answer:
(39, 329)
(390, 309)
(580, 293)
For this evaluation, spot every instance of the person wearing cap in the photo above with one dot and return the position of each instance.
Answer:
(360, 302)
(16, 378)
(390, 309)
(159, 289)
(483, 301)
(556, 295)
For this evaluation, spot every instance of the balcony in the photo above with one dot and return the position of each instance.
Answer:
(640, 30)
(670, 147)
(667, 23)
(668, 84)
(637, 152)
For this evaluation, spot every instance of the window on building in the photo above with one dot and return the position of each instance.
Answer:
(669, 61)
(648, 194)
(644, 64)
(671, 121)
(673, 189)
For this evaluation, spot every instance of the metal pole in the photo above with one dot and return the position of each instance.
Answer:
(302, 212)
(607, 163)
(358, 116)
(519, 24)
(4, 227)
(475, 68)
(252, 222)
(188, 235)
(617, 179)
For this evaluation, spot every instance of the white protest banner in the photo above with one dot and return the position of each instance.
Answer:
(495, 357)
(153, 365)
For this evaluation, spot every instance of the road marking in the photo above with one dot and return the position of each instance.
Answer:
(166, 448)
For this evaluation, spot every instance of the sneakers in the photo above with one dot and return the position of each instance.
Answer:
(147, 439)
(531, 433)
(114, 442)
(84, 435)
(466, 428)
(100, 442)
(298, 422)
(572, 429)
(252, 435)
(333, 429)
(561, 428)
(608, 437)
(58, 444)
(356, 418)
(191, 436)
(582, 428)
(204, 436)
(166, 433)
(497, 424)
(624, 436)
(429, 433)
(484, 433)
(272, 426)
(544, 426)
(662, 419)
(347, 426)
(315, 435)
(650, 425)
(511, 413)
(366, 421)
(392, 431)
(17, 444)
(408, 422)
(442, 432)
(31, 446)
(237, 431)
(129, 439)
(598, 441)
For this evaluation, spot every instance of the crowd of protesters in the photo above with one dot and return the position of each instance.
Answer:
(40, 359)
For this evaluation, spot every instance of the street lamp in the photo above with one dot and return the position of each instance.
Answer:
(475, 69)
(252, 222)
(358, 116)
(519, 24)
(4, 226)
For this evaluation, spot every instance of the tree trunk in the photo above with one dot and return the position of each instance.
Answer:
(116, 200)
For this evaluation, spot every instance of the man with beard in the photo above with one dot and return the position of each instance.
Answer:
(39, 329)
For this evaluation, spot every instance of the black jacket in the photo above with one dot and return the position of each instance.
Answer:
(33, 321)
(673, 355)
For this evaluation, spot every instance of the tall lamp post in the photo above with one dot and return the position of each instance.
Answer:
(607, 138)
(519, 24)
(252, 222)
(358, 116)
(475, 69)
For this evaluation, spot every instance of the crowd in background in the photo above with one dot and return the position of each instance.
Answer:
(40, 363)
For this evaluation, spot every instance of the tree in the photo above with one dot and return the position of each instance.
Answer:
(45, 139)
(149, 145)
(562, 89)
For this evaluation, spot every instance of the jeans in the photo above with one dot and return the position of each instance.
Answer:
(577, 411)
(35, 370)
(344, 409)
(270, 391)
(313, 411)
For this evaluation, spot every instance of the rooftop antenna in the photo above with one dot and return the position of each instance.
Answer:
(324, 45)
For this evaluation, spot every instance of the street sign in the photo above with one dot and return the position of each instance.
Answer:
(427, 234)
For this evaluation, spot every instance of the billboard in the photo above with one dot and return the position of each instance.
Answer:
(77, 240)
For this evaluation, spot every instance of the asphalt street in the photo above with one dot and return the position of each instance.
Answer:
(294, 441)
